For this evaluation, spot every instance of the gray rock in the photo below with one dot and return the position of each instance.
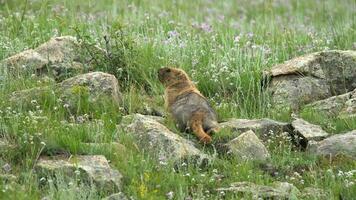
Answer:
(342, 106)
(312, 77)
(94, 169)
(128, 119)
(25, 60)
(349, 109)
(97, 84)
(94, 86)
(59, 49)
(148, 106)
(6, 168)
(149, 110)
(247, 146)
(262, 127)
(161, 143)
(116, 196)
(295, 91)
(279, 190)
(306, 131)
(286, 187)
(344, 144)
(61, 57)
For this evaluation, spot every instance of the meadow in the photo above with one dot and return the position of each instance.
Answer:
(223, 45)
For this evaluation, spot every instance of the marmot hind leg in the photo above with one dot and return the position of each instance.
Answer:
(210, 126)
(196, 125)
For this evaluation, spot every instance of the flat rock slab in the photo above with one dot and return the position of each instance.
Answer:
(311, 77)
(247, 146)
(342, 106)
(262, 127)
(161, 143)
(278, 190)
(93, 168)
(61, 57)
(307, 131)
(95, 87)
(340, 144)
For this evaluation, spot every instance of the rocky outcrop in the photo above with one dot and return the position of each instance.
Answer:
(278, 190)
(161, 143)
(247, 146)
(61, 57)
(342, 106)
(149, 110)
(262, 127)
(340, 144)
(312, 77)
(304, 131)
(93, 87)
(90, 169)
(97, 85)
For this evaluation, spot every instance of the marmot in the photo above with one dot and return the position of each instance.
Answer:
(189, 108)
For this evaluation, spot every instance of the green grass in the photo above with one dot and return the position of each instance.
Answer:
(331, 124)
(223, 45)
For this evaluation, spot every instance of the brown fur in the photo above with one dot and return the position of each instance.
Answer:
(188, 106)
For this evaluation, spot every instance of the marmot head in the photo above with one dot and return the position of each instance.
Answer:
(168, 76)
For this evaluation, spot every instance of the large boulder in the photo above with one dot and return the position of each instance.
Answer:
(304, 131)
(262, 127)
(340, 144)
(247, 146)
(160, 142)
(90, 169)
(278, 190)
(92, 87)
(60, 57)
(311, 77)
(342, 106)
(95, 84)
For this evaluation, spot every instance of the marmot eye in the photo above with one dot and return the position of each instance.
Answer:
(168, 70)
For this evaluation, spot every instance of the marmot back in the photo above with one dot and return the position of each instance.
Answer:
(188, 106)
(185, 107)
